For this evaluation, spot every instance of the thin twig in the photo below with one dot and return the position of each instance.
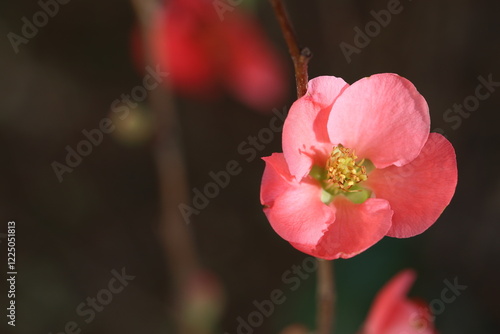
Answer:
(177, 239)
(326, 284)
(326, 297)
(300, 56)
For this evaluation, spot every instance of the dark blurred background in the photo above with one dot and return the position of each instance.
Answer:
(104, 215)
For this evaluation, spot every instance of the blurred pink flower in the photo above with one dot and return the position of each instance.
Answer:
(204, 53)
(328, 203)
(393, 313)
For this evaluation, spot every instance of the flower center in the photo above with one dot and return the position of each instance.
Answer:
(343, 172)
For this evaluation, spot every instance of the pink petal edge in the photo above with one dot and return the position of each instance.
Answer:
(294, 209)
(387, 300)
(356, 228)
(383, 118)
(304, 131)
(420, 191)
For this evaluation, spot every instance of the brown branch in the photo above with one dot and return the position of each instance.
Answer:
(300, 56)
(176, 236)
(325, 297)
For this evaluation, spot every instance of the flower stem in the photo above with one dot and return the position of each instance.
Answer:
(325, 297)
(300, 56)
(176, 236)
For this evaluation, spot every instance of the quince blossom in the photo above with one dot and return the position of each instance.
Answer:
(358, 164)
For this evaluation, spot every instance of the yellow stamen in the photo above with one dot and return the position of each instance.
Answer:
(343, 172)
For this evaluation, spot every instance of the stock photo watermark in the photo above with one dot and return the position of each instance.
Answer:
(459, 111)
(121, 107)
(30, 28)
(292, 279)
(88, 309)
(448, 296)
(248, 149)
(363, 38)
(11, 272)
(223, 6)
(437, 306)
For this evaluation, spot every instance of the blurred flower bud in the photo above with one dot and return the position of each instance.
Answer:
(203, 302)
(134, 128)
(206, 52)
(295, 329)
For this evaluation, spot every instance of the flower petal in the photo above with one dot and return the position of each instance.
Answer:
(420, 191)
(293, 208)
(388, 309)
(275, 180)
(356, 228)
(253, 70)
(383, 118)
(387, 301)
(324, 90)
(177, 41)
(304, 130)
(393, 313)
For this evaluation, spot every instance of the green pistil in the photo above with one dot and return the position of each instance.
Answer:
(358, 197)
(343, 175)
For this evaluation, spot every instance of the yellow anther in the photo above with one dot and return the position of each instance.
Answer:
(343, 170)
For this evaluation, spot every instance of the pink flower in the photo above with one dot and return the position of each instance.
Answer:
(203, 53)
(393, 313)
(319, 196)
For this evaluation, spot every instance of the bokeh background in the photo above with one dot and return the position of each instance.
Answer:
(105, 214)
